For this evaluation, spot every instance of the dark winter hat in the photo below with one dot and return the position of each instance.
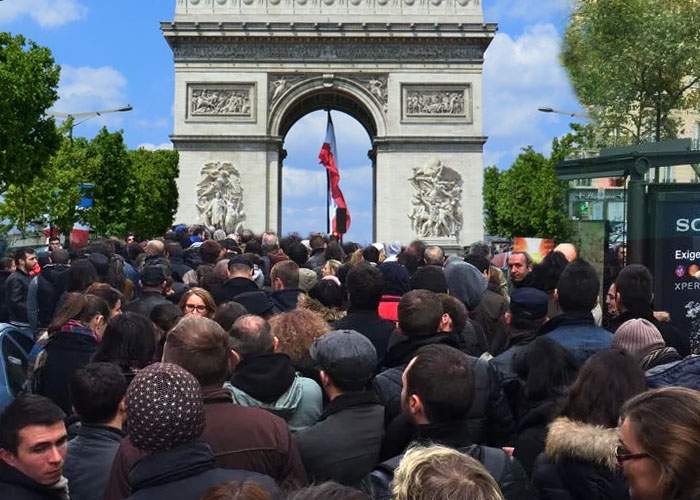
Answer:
(529, 303)
(164, 407)
(429, 278)
(152, 275)
(638, 336)
(348, 356)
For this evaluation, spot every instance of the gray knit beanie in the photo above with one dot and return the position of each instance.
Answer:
(638, 336)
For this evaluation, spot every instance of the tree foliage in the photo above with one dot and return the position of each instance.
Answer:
(28, 81)
(154, 191)
(134, 190)
(527, 199)
(633, 62)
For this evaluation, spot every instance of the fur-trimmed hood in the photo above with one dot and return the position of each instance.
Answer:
(330, 314)
(576, 440)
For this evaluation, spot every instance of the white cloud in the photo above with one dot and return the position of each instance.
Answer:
(302, 183)
(520, 75)
(527, 10)
(155, 147)
(47, 13)
(153, 123)
(85, 89)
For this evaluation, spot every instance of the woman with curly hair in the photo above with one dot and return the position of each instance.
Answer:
(296, 330)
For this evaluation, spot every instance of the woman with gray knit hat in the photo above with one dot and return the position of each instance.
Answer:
(644, 341)
(165, 412)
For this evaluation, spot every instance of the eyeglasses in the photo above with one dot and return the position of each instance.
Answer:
(622, 455)
(198, 308)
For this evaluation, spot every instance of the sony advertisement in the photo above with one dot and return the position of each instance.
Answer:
(675, 241)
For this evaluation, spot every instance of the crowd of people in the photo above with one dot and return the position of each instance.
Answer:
(210, 366)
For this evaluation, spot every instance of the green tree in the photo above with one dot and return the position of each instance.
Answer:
(154, 191)
(28, 81)
(109, 168)
(529, 200)
(633, 62)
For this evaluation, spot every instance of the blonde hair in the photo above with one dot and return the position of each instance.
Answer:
(333, 265)
(296, 330)
(440, 473)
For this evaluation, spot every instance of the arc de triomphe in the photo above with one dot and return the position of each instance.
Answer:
(410, 71)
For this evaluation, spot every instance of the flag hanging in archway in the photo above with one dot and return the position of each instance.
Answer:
(328, 157)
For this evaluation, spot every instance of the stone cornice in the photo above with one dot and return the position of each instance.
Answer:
(327, 29)
(435, 143)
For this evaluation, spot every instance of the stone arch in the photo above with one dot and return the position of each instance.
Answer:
(327, 92)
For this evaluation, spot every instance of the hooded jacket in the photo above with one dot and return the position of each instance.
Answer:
(50, 286)
(285, 299)
(233, 287)
(508, 473)
(578, 334)
(185, 472)
(579, 463)
(465, 282)
(683, 373)
(269, 381)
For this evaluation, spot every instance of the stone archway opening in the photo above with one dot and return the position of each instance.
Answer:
(303, 179)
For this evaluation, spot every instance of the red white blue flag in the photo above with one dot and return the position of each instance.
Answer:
(328, 157)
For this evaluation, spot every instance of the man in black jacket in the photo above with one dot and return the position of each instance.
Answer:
(634, 288)
(47, 288)
(284, 277)
(154, 284)
(97, 392)
(240, 279)
(17, 286)
(32, 450)
(344, 445)
(365, 284)
(420, 319)
(438, 388)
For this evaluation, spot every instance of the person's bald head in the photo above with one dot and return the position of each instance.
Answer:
(434, 255)
(251, 335)
(155, 247)
(568, 250)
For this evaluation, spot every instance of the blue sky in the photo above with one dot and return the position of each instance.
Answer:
(112, 53)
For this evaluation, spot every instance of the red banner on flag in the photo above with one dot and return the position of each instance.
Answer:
(328, 157)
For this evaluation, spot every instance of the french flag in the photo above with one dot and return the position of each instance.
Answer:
(328, 157)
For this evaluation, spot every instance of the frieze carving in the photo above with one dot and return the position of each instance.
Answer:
(436, 101)
(310, 50)
(220, 197)
(321, 6)
(437, 203)
(221, 100)
(375, 84)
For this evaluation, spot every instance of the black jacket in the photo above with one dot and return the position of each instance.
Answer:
(286, 299)
(233, 287)
(532, 431)
(489, 314)
(369, 324)
(89, 460)
(4, 314)
(344, 445)
(178, 268)
(146, 302)
(490, 417)
(507, 472)
(16, 289)
(673, 337)
(185, 473)
(51, 284)
(16, 486)
(579, 463)
(66, 351)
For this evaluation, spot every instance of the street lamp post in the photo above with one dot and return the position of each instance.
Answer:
(86, 115)
(573, 114)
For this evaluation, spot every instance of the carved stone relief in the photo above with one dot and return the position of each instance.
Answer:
(437, 202)
(221, 100)
(436, 101)
(315, 50)
(220, 197)
(375, 84)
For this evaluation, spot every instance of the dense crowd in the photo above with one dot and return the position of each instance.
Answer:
(249, 367)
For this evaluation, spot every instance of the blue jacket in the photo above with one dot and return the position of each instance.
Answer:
(683, 373)
(578, 334)
(89, 460)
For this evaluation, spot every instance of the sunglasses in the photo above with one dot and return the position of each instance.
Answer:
(192, 307)
(623, 455)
